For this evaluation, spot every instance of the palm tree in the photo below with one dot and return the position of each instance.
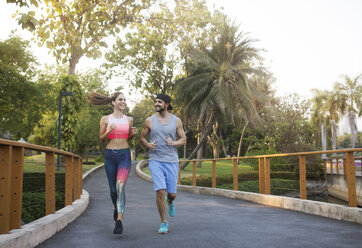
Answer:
(334, 104)
(350, 92)
(217, 86)
(319, 114)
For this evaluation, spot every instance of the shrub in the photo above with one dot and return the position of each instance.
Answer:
(278, 161)
(34, 205)
(206, 181)
(141, 156)
(35, 182)
(100, 158)
(33, 200)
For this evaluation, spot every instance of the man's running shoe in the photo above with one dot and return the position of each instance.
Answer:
(171, 208)
(164, 228)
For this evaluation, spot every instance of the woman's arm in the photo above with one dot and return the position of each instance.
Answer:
(132, 129)
(103, 132)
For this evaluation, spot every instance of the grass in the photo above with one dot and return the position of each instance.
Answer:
(36, 163)
(222, 167)
(277, 186)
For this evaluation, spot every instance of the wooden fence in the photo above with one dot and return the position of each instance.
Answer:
(264, 170)
(11, 180)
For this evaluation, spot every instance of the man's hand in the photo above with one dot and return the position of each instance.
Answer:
(169, 141)
(153, 145)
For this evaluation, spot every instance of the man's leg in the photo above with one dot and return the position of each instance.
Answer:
(171, 197)
(160, 201)
(171, 182)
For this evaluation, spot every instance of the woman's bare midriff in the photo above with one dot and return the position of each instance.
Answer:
(117, 144)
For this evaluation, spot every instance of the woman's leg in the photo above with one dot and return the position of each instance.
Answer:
(110, 165)
(123, 169)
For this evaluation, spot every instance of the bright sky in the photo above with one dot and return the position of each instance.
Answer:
(309, 43)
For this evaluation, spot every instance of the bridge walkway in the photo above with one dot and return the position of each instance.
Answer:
(201, 221)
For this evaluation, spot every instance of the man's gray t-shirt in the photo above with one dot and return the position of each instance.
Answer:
(159, 131)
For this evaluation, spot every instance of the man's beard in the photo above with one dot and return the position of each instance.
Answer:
(160, 110)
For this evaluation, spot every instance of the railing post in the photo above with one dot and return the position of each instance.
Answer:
(344, 169)
(68, 180)
(81, 176)
(235, 174)
(49, 183)
(76, 178)
(5, 174)
(351, 179)
(325, 168)
(16, 191)
(331, 167)
(302, 177)
(179, 173)
(213, 174)
(267, 174)
(261, 176)
(194, 173)
(337, 166)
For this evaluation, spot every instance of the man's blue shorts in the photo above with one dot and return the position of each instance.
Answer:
(164, 175)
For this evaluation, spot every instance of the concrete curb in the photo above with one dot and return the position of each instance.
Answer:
(91, 171)
(324, 209)
(33, 233)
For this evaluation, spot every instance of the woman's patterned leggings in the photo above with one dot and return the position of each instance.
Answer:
(118, 164)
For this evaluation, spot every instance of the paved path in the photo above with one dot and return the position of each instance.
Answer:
(201, 221)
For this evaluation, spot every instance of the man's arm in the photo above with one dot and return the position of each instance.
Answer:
(145, 131)
(180, 132)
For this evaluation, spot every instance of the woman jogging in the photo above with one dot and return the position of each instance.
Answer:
(117, 130)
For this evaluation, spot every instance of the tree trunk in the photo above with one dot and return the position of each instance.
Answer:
(214, 145)
(333, 130)
(324, 140)
(352, 125)
(202, 140)
(200, 151)
(73, 61)
(185, 146)
(241, 140)
(249, 146)
(214, 140)
(224, 149)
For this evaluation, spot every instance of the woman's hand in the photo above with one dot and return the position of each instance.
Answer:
(111, 127)
(133, 131)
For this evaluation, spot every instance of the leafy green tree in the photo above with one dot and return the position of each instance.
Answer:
(78, 28)
(218, 81)
(22, 100)
(45, 133)
(153, 50)
(350, 92)
(334, 105)
(145, 54)
(140, 112)
(90, 115)
(88, 132)
(286, 125)
(70, 110)
(320, 115)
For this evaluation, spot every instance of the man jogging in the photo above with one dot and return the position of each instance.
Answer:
(163, 158)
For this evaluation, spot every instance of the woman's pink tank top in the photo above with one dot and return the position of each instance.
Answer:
(121, 130)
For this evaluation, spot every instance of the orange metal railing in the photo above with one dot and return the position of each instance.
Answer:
(11, 180)
(264, 170)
